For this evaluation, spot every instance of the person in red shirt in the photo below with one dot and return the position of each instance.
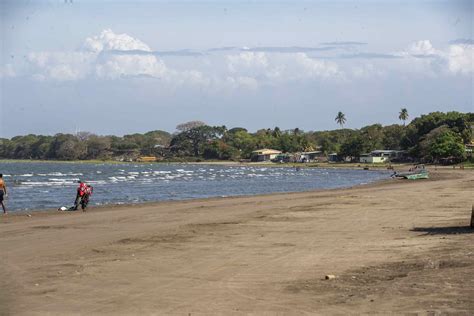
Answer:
(85, 198)
(81, 190)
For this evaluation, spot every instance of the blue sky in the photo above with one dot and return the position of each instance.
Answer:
(118, 67)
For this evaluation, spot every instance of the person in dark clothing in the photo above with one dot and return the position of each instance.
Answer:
(3, 193)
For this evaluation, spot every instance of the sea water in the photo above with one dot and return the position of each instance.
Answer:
(36, 186)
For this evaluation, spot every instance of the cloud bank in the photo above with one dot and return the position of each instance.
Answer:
(112, 56)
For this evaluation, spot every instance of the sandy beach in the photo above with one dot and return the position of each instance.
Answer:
(397, 246)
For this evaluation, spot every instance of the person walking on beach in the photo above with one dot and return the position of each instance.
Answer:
(3, 193)
(85, 198)
(81, 190)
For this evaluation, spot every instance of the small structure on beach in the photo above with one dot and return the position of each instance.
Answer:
(380, 156)
(469, 149)
(283, 158)
(308, 156)
(264, 154)
(334, 157)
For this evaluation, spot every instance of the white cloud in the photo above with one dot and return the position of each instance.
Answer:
(367, 70)
(461, 59)
(421, 58)
(8, 70)
(422, 48)
(457, 59)
(247, 61)
(130, 65)
(97, 58)
(316, 68)
(112, 66)
(110, 55)
(277, 67)
(108, 40)
(60, 65)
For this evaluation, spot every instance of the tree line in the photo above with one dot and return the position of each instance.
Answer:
(428, 138)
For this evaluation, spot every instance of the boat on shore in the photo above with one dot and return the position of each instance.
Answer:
(418, 172)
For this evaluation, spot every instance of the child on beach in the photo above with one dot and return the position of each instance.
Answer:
(3, 193)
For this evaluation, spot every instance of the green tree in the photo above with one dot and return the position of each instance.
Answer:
(441, 143)
(392, 136)
(217, 149)
(372, 137)
(192, 142)
(418, 130)
(448, 145)
(184, 127)
(276, 132)
(340, 119)
(66, 147)
(403, 115)
(353, 147)
(98, 147)
(242, 141)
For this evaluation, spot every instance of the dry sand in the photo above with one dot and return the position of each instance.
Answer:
(399, 246)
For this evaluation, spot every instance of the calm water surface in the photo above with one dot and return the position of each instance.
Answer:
(34, 186)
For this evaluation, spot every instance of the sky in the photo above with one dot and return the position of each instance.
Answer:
(122, 67)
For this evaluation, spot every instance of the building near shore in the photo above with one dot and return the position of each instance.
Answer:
(309, 156)
(381, 156)
(264, 154)
(469, 148)
(333, 157)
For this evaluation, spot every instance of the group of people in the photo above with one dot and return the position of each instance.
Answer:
(83, 194)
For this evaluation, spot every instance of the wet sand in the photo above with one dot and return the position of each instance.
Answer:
(397, 246)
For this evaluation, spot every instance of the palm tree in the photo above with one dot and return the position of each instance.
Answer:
(340, 119)
(403, 115)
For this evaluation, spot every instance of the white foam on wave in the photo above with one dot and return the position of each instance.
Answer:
(98, 182)
(63, 180)
(42, 184)
(184, 171)
(55, 174)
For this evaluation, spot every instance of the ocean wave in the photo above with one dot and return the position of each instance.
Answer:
(72, 180)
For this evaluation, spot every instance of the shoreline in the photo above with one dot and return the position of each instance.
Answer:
(159, 202)
(392, 246)
(112, 206)
(319, 165)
